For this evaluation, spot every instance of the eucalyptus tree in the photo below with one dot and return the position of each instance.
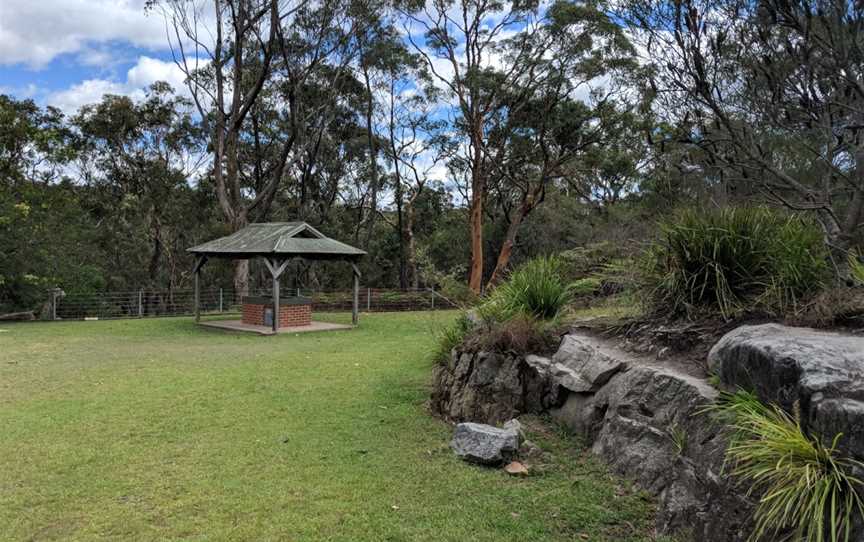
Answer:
(34, 142)
(497, 61)
(771, 93)
(138, 158)
(236, 53)
(415, 145)
(225, 50)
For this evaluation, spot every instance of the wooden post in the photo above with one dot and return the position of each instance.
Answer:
(276, 267)
(199, 263)
(220, 300)
(140, 303)
(197, 294)
(355, 309)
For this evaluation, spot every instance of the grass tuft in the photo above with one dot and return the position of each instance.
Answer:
(806, 487)
(733, 260)
(856, 268)
(536, 288)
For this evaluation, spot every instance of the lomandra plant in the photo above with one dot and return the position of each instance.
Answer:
(806, 487)
(856, 268)
(536, 288)
(734, 259)
(450, 336)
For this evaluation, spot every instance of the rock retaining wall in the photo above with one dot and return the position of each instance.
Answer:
(643, 420)
(646, 419)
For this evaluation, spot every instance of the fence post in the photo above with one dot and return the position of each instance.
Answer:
(298, 291)
(368, 299)
(140, 303)
(220, 299)
(433, 297)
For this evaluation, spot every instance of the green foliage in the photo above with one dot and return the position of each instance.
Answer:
(518, 316)
(585, 287)
(450, 336)
(805, 486)
(856, 267)
(536, 288)
(734, 259)
(678, 436)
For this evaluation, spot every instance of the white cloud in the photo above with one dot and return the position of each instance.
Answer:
(145, 72)
(34, 32)
(149, 70)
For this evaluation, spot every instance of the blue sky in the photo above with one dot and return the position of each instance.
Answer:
(69, 52)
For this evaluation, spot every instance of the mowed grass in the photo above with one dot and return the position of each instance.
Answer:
(162, 430)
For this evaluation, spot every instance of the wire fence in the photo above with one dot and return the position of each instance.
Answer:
(155, 303)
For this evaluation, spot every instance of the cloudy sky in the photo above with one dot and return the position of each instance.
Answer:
(69, 53)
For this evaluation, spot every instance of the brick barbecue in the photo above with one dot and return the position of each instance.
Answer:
(293, 311)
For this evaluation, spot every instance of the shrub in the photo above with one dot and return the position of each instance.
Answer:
(806, 487)
(856, 268)
(451, 336)
(535, 288)
(585, 287)
(590, 259)
(731, 259)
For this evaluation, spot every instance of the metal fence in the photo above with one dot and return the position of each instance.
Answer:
(154, 303)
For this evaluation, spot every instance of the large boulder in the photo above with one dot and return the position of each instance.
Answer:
(823, 372)
(485, 444)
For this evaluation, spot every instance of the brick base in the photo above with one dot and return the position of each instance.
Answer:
(289, 315)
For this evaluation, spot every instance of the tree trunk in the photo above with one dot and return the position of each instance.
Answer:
(507, 248)
(400, 228)
(410, 248)
(475, 281)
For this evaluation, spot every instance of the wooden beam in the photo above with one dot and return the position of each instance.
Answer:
(277, 266)
(355, 307)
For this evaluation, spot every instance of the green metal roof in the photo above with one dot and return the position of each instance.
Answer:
(275, 239)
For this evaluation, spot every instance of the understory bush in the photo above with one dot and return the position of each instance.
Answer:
(806, 488)
(734, 260)
(856, 268)
(536, 288)
(452, 335)
(519, 315)
(585, 287)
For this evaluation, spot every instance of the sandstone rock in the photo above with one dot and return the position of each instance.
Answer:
(491, 388)
(635, 421)
(823, 372)
(584, 367)
(484, 444)
(516, 427)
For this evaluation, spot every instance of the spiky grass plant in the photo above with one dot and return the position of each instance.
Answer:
(733, 259)
(856, 268)
(536, 288)
(450, 336)
(806, 487)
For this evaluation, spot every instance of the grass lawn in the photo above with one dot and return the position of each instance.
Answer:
(158, 429)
